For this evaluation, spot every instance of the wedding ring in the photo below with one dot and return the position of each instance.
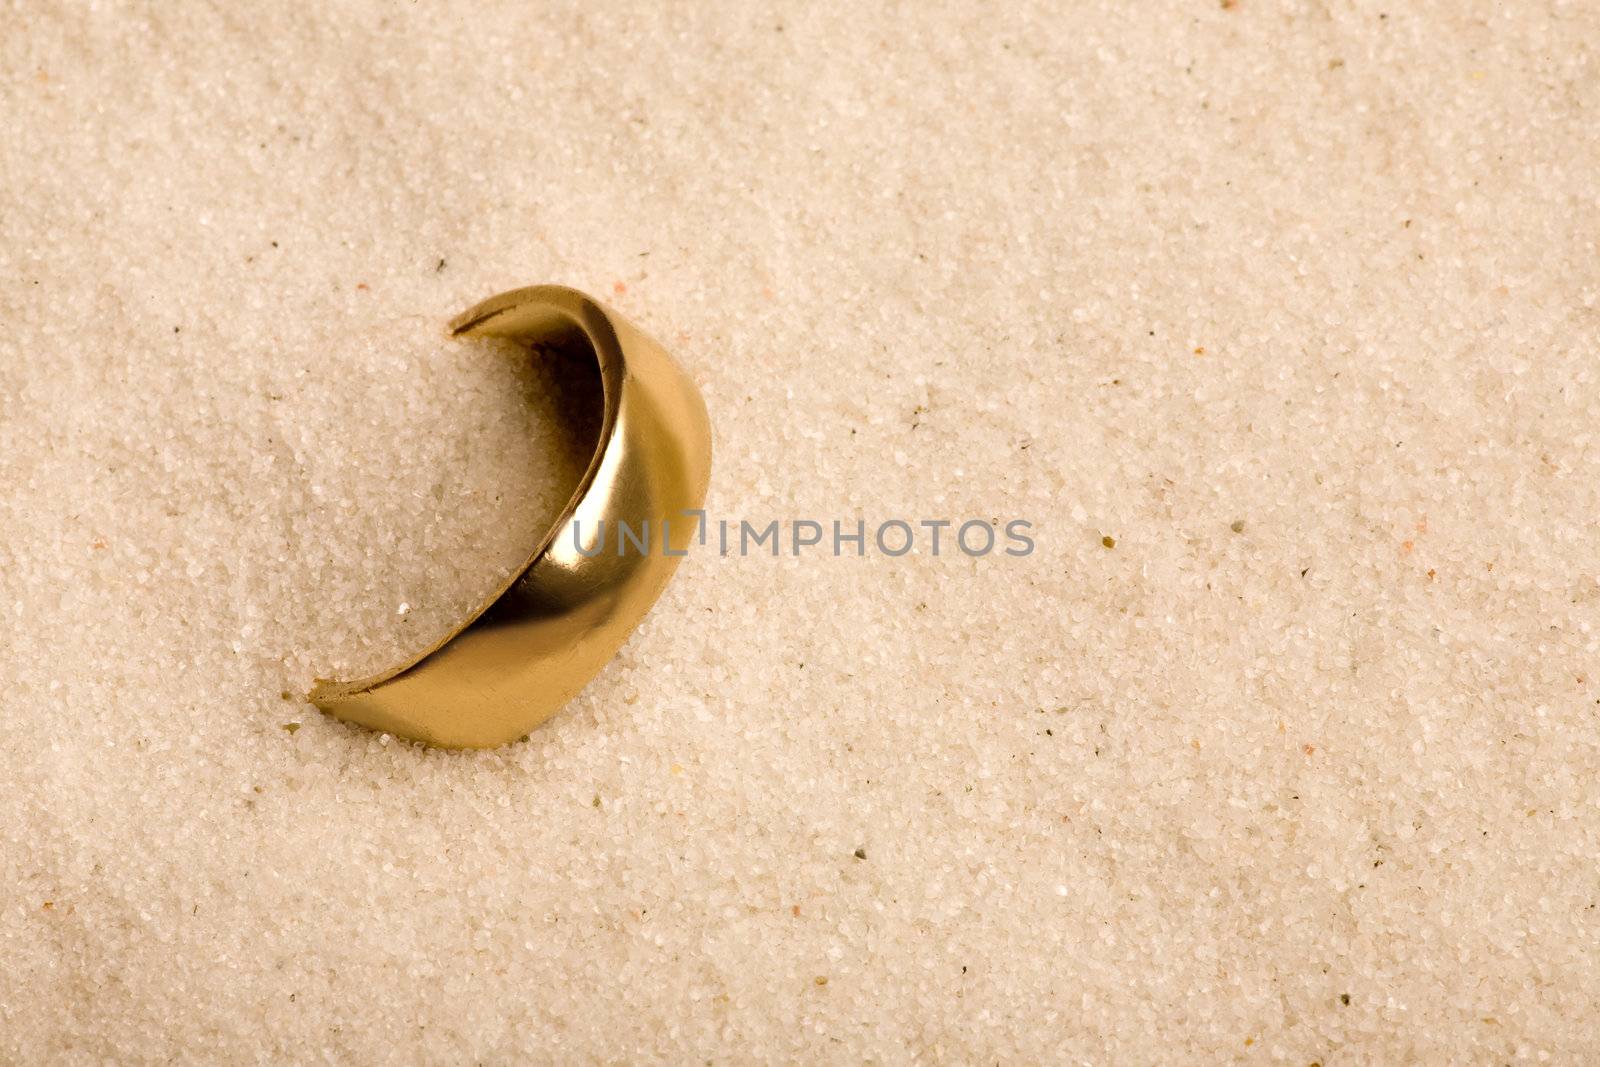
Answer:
(531, 647)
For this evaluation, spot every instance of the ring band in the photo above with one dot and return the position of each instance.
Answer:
(535, 644)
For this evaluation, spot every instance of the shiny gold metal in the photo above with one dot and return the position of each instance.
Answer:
(533, 646)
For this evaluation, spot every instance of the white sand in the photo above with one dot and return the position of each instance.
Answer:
(1171, 801)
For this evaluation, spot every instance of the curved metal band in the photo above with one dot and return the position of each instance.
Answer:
(531, 648)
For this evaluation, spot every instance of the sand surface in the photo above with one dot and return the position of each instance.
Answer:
(1281, 321)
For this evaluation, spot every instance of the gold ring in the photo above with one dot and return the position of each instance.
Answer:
(534, 645)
